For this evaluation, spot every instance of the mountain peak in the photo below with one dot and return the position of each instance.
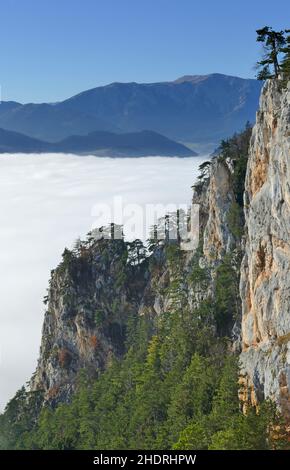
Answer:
(191, 78)
(194, 79)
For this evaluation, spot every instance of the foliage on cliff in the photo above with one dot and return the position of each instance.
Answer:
(273, 45)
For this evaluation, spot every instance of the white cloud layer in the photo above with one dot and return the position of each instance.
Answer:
(46, 202)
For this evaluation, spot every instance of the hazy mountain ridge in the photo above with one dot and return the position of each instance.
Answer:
(190, 109)
(138, 144)
(15, 142)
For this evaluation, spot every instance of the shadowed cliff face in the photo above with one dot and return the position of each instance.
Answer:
(265, 271)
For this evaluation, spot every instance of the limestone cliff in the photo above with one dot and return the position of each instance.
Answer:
(265, 270)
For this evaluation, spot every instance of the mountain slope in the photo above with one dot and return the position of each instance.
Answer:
(132, 144)
(14, 142)
(190, 109)
(139, 144)
(51, 122)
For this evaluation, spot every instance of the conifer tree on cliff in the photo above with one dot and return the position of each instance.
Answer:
(285, 65)
(273, 41)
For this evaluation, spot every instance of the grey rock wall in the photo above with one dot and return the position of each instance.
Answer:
(265, 270)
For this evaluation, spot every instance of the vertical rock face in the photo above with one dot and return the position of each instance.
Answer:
(218, 239)
(218, 244)
(265, 271)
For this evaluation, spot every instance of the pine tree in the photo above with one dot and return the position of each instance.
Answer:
(285, 65)
(273, 45)
(136, 252)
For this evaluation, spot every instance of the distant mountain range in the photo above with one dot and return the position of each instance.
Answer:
(102, 143)
(192, 109)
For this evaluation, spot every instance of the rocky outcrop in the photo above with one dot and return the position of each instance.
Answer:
(265, 271)
(91, 295)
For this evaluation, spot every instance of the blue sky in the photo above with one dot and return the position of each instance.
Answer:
(52, 49)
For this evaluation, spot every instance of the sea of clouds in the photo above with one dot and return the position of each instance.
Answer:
(46, 202)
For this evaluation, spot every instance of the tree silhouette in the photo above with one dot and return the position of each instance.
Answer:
(285, 64)
(136, 252)
(273, 45)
